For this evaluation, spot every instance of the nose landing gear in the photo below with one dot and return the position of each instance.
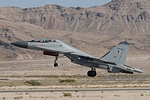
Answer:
(56, 64)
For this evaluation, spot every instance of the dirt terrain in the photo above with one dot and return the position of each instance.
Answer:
(14, 75)
(106, 95)
(94, 30)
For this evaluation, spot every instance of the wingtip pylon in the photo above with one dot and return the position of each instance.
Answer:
(138, 70)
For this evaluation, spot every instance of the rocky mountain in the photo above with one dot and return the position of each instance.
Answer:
(116, 17)
(93, 30)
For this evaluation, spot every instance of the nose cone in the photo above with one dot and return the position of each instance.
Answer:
(22, 44)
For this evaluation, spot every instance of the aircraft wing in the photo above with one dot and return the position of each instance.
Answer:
(68, 50)
(53, 50)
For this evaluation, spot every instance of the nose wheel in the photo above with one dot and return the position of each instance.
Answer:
(55, 64)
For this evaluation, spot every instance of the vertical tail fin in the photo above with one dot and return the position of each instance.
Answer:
(117, 54)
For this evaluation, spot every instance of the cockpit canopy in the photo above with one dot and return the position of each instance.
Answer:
(43, 40)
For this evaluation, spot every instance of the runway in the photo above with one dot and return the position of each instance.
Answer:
(76, 90)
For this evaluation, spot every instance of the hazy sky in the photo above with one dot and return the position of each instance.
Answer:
(66, 3)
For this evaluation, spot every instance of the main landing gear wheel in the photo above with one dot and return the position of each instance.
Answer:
(92, 72)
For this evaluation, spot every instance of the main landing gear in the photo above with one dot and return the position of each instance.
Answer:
(92, 72)
(56, 64)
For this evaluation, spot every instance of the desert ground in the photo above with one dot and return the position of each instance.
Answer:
(96, 95)
(16, 75)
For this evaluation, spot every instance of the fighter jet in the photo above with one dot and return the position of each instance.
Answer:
(113, 61)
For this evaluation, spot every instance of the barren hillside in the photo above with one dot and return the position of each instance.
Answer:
(116, 17)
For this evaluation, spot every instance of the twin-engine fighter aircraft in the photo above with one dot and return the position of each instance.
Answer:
(113, 61)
